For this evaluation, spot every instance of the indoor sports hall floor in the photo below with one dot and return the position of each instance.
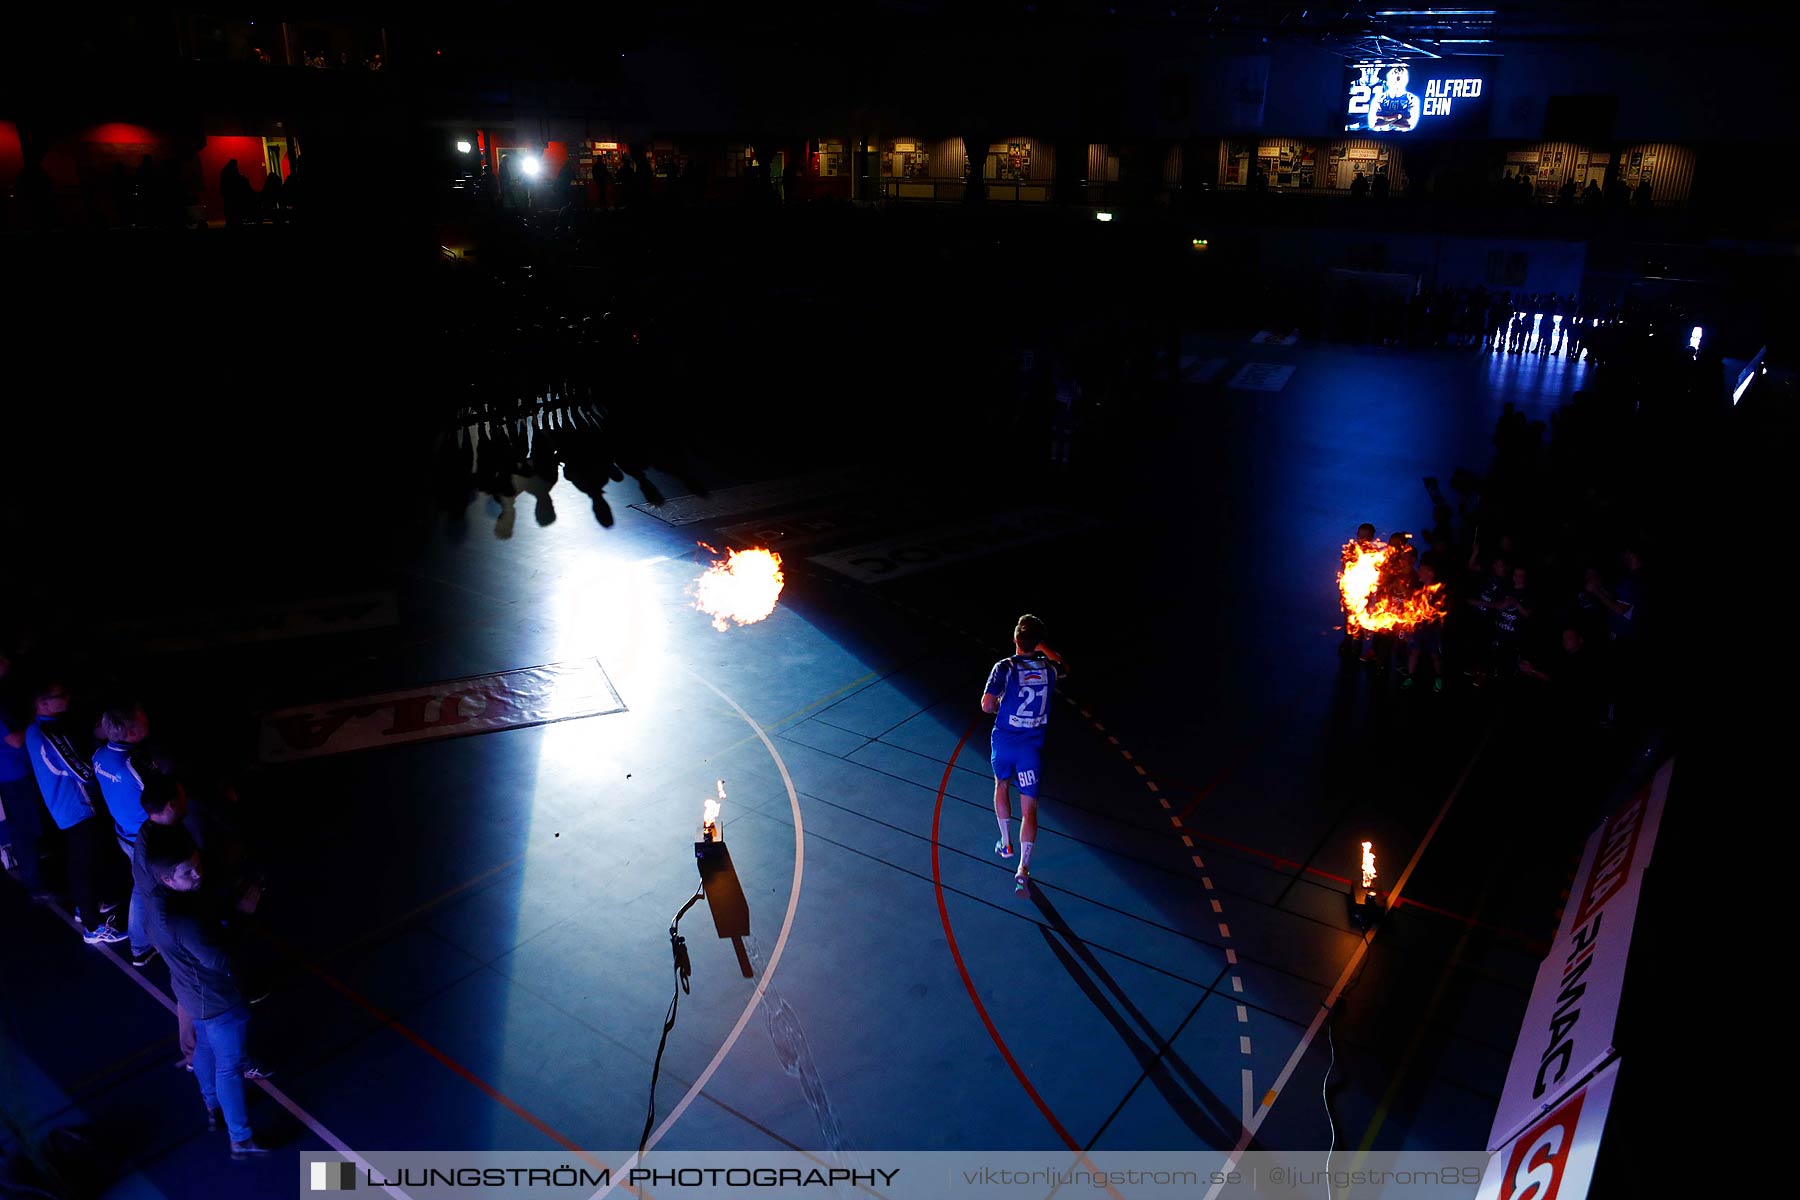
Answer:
(471, 935)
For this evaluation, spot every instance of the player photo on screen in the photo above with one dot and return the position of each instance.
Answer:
(1429, 97)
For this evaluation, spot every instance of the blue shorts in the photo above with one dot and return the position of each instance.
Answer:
(1017, 761)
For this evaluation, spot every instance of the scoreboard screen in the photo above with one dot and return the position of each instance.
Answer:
(1436, 97)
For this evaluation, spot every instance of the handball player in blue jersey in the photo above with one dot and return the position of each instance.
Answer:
(1393, 109)
(1018, 694)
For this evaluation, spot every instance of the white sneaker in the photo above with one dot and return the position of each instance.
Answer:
(104, 934)
(1003, 848)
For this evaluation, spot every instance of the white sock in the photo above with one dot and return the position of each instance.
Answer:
(1005, 830)
(1024, 855)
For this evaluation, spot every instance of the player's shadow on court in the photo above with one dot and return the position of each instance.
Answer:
(1200, 1109)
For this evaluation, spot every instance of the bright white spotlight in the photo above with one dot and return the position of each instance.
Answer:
(1694, 339)
(1102, 216)
(463, 147)
(530, 165)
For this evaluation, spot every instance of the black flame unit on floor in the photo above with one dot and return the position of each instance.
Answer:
(1365, 902)
(724, 894)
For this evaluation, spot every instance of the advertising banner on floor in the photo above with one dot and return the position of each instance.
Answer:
(1553, 1157)
(1261, 377)
(766, 496)
(897, 557)
(454, 708)
(201, 628)
(1574, 1006)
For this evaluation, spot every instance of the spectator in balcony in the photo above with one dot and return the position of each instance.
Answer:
(1591, 195)
(232, 189)
(146, 185)
(1641, 197)
(33, 186)
(1565, 195)
(1499, 317)
(1575, 327)
(1556, 319)
(124, 212)
(1378, 187)
(1359, 187)
(171, 196)
(270, 201)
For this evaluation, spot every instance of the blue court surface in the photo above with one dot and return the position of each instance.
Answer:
(467, 938)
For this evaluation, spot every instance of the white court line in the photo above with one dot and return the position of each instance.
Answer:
(1247, 1103)
(1344, 978)
(768, 973)
(274, 1093)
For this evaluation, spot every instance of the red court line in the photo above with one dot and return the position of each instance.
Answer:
(1525, 940)
(1261, 739)
(489, 1090)
(1219, 779)
(937, 885)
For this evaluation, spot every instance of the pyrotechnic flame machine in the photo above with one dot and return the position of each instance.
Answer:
(1365, 901)
(718, 878)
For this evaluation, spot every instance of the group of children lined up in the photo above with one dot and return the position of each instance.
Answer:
(183, 874)
(1497, 624)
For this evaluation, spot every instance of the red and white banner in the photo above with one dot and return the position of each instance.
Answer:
(1553, 1157)
(895, 557)
(207, 628)
(479, 704)
(1574, 1005)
